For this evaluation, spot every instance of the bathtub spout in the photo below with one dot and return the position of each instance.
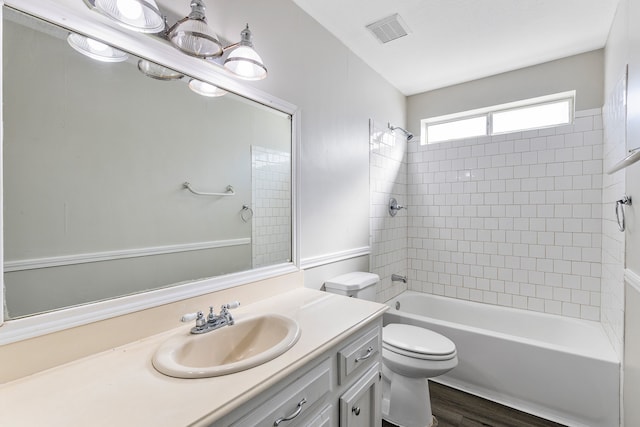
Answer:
(398, 278)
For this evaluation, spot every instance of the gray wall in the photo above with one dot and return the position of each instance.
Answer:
(583, 73)
(337, 94)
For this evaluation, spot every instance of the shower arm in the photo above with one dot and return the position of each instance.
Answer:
(392, 128)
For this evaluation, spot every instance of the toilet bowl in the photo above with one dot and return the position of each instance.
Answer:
(410, 355)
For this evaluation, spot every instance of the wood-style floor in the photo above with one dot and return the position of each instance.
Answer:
(454, 408)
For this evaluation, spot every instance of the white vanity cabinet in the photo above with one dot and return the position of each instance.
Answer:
(341, 387)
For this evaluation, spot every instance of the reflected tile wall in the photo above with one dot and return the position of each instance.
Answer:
(271, 203)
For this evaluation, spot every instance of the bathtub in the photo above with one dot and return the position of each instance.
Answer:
(555, 367)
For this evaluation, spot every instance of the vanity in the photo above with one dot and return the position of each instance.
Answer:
(329, 377)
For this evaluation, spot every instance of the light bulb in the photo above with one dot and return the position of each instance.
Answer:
(97, 46)
(129, 9)
(205, 89)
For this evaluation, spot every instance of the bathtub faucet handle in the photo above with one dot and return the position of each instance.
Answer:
(394, 207)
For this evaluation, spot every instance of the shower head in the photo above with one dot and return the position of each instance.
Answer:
(408, 134)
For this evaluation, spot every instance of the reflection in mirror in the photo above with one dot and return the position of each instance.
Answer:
(95, 158)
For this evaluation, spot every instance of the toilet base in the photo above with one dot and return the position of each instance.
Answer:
(410, 405)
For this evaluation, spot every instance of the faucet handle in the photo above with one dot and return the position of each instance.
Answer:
(198, 316)
(224, 311)
(232, 304)
(188, 317)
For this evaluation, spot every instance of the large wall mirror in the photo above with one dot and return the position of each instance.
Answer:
(95, 157)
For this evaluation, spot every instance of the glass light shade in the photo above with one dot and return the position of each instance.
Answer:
(194, 37)
(205, 89)
(245, 63)
(157, 71)
(139, 15)
(95, 49)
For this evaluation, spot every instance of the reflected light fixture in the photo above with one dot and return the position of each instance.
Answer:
(157, 71)
(205, 89)
(138, 15)
(95, 49)
(193, 36)
(244, 61)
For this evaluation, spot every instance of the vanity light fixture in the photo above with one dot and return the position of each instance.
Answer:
(138, 15)
(193, 36)
(244, 61)
(157, 71)
(95, 49)
(205, 89)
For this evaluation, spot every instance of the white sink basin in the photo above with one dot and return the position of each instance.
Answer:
(249, 342)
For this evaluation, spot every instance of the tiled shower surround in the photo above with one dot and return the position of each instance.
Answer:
(513, 220)
(613, 241)
(388, 178)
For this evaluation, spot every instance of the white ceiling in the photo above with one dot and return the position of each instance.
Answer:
(454, 41)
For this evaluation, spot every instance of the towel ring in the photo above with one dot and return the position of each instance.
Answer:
(620, 211)
(246, 213)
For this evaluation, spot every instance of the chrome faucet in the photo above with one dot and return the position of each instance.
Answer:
(212, 321)
(398, 278)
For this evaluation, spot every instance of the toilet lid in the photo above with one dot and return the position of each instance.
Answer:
(413, 339)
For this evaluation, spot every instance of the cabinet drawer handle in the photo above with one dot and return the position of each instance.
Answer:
(292, 416)
(366, 356)
(356, 410)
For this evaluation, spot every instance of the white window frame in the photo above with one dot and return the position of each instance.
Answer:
(489, 111)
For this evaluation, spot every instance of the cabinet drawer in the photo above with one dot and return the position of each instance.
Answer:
(360, 353)
(294, 402)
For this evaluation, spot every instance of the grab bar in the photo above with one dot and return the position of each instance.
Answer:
(229, 192)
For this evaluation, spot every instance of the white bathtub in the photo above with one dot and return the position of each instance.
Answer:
(558, 368)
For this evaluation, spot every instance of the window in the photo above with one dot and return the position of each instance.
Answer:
(535, 113)
(462, 128)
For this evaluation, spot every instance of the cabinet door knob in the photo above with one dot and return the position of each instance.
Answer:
(356, 410)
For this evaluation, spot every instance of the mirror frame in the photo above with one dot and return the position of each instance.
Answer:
(74, 15)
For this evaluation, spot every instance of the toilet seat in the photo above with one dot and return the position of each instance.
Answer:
(416, 342)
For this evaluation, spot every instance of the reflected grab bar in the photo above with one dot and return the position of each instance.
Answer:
(229, 192)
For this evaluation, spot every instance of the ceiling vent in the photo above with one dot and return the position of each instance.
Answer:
(389, 28)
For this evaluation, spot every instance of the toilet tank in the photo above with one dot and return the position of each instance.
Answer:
(358, 284)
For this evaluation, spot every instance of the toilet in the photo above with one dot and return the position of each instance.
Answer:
(410, 355)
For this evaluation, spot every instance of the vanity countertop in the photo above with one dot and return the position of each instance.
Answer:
(120, 387)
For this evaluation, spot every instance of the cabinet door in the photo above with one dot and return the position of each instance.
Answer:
(360, 405)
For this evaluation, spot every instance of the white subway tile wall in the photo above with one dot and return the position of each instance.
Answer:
(271, 204)
(388, 235)
(512, 220)
(613, 241)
